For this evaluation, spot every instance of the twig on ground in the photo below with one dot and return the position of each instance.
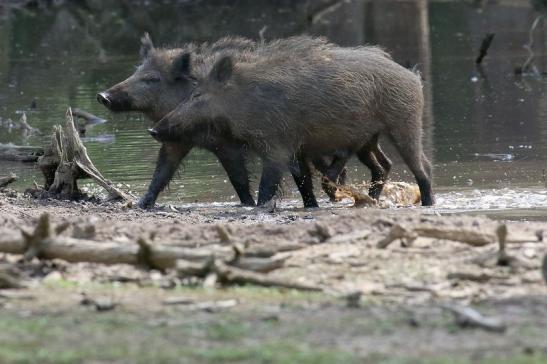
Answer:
(469, 317)
(485, 45)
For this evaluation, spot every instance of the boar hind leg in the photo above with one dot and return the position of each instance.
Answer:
(303, 179)
(169, 158)
(269, 181)
(232, 158)
(379, 164)
(410, 148)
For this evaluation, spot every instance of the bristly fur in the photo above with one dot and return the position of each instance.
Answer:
(304, 94)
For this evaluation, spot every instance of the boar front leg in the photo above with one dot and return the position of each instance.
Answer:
(270, 180)
(169, 158)
(232, 158)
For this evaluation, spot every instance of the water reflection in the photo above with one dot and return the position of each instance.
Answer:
(61, 55)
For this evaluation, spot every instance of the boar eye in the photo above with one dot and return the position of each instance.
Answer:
(196, 94)
(151, 79)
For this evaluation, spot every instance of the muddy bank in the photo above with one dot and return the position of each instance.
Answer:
(377, 304)
(336, 248)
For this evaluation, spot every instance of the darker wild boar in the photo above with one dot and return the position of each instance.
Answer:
(304, 96)
(158, 85)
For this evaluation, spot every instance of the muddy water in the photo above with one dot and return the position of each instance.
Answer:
(485, 131)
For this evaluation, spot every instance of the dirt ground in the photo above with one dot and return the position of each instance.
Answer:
(377, 305)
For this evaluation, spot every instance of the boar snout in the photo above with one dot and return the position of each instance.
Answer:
(153, 132)
(104, 98)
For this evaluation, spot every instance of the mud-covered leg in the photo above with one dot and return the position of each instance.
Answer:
(379, 164)
(384, 161)
(169, 159)
(269, 181)
(367, 157)
(303, 179)
(232, 158)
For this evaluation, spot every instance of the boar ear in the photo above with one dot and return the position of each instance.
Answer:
(181, 65)
(146, 45)
(222, 70)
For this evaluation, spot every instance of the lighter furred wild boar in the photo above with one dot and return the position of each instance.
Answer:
(303, 95)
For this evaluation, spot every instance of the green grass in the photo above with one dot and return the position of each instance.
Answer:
(79, 336)
(41, 331)
(533, 359)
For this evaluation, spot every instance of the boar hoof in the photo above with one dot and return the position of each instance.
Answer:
(146, 203)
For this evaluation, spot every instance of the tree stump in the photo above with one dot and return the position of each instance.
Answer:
(65, 161)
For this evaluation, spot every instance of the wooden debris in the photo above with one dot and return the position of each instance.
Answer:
(187, 268)
(213, 306)
(401, 193)
(66, 160)
(177, 301)
(269, 251)
(10, 277)
(4, 181)
(34, 241)
(19, 153)
(463, 235)
(465, 276)
(469, 317)
(260, 265)
(485, 45)
(16, 295)
(45, 244)
(227, 265)
(100, 304)
(353, 299)
(396, 232)
(223, 234)
(232, 275)
(503, 258)
(339, 192)
(25, 126)
(89, 120)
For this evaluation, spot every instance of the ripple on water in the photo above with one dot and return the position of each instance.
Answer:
(491, 199)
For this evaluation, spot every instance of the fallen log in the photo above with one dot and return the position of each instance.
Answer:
(228, 265)
(231, 275)
(66, 160)
(20, 153)
(45, 243)
(475, 238)
(4, 181)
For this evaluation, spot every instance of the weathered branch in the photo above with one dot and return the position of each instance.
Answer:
(233, 275)
(463, 235)
(469, 317)
(485, 45)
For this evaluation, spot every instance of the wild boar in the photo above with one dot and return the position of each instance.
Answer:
(305, 96)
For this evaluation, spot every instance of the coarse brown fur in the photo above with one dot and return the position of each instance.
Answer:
(315, 99)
